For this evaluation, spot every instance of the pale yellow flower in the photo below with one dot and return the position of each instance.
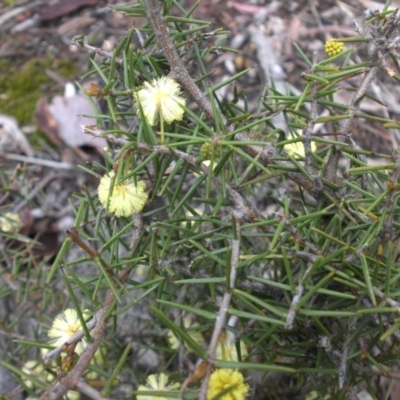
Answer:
(314, 396)
(98, 360)
(157, 382)
(191, 328)
(125, 198)
(297, 148)
(227, 381)
(10, 222)
(72, 395)
(207, 164)
(64, 327)
(226, 350)
(161, 100)
(36, 369)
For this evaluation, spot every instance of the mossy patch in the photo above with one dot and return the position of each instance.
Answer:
(21, 88)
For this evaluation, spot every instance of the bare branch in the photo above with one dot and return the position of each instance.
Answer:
(178, 69)
(222, 314)
(71, 381)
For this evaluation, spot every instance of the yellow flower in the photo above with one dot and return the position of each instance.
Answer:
(64, 327)
(207, 164)
(161, 99)
(124, 198)
(98, 360)
(206, 150)
(35, 369)
(226, 350)
(314, 396)
(333, 47)
(157, 382)
(227, 381)
(297, 148)
(191, 329)
(10, 222)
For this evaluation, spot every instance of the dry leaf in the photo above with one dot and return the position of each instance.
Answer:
(12, 139)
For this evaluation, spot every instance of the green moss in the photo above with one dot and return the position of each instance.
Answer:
(22, 88)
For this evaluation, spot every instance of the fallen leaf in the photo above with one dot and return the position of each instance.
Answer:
(12, 139)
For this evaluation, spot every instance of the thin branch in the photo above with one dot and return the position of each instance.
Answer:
(296, 298)
(38, 161)
(242, 211)
(178, 69)
(87, 390)
(95, 50)
(222, 314)
(342, 373)
(387, 300)
(309, 129)
(98, 323)
(383, 319)
(71, 380)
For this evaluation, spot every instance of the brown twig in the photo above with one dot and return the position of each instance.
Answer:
(379, 41)
(222, 314)
(98, 323)
(94, 255)
(95, 50)
(71, 380)
(242, 211)
(87, 390)
(178, 69)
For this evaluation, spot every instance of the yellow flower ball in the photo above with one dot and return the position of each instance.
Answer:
(297, 148)
(206, 150)
(124, 198)
(191, 329)
(333, 47)
(10, 222)
(64, 327)
(35, 369)
(227, 381)
(161, 99)
(226, 350)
